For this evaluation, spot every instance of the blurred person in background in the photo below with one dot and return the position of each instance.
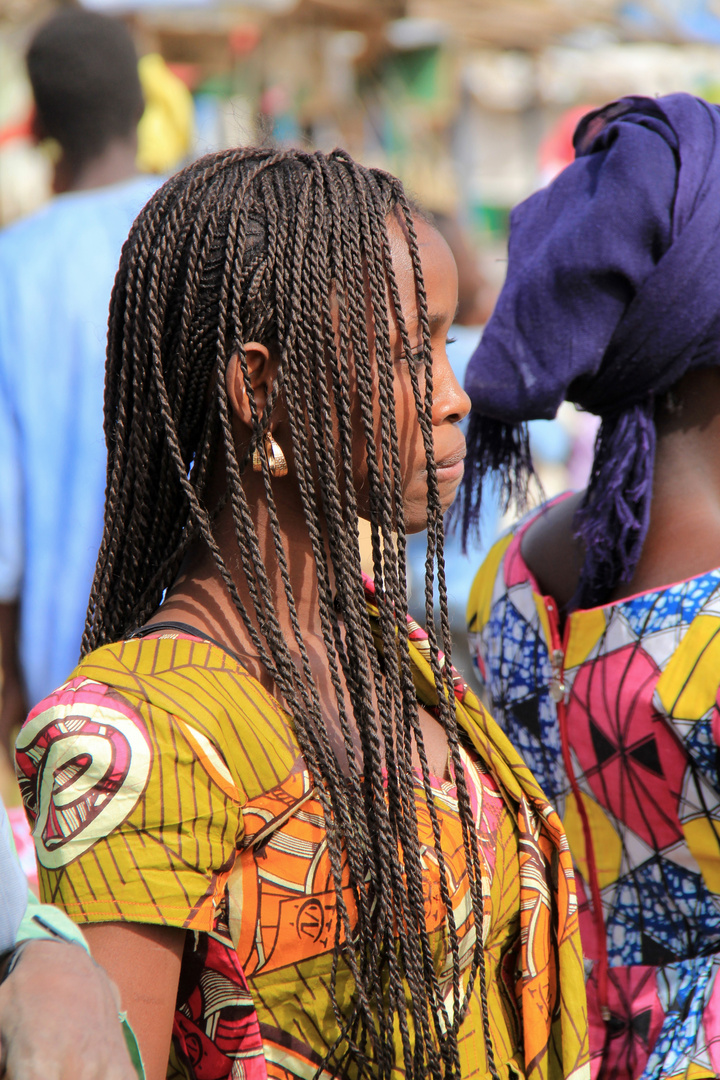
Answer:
(56, 274)
(58, 1009)
(596, 621)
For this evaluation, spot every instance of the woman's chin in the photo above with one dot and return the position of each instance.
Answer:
(448, 487)
(415, 511)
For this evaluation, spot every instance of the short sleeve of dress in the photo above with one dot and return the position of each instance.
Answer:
(135, 815)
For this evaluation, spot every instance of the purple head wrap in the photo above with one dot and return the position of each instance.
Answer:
(612, 294)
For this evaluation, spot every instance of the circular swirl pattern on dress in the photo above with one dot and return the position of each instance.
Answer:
(83, 768)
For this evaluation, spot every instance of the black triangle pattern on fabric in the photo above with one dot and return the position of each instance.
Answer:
(646, 753)
(604, 749)
(526, 713)
(617, 1026)
(655, 954)
(641, 1024)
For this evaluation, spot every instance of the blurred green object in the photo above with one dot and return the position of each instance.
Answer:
(416, 73)
(492, 222)
(711, 92)
(219, 85)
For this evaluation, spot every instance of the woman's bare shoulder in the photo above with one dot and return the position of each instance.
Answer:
(551, 551)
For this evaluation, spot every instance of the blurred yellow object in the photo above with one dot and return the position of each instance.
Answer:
(166, 127)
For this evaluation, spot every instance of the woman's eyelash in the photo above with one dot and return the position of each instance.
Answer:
(418, 357)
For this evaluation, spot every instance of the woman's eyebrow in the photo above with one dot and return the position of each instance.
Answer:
(436, 319)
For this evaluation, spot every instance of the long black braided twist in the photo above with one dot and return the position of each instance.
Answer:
(251, 245)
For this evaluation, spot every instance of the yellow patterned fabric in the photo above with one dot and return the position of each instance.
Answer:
(166, 786)
(618, 715)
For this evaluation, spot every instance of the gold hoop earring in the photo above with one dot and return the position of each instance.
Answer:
(273, 455)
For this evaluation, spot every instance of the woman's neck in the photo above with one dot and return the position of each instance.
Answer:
(115, 164)
(683, 539)
(684, 535)
(201, 599)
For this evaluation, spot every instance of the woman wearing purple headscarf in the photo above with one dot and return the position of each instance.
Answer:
(596, 622)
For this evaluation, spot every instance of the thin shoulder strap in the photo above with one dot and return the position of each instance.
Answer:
(183, 628)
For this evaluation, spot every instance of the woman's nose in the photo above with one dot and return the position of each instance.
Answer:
(450, 402)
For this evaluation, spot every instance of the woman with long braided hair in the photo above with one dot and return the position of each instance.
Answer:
(302, 847)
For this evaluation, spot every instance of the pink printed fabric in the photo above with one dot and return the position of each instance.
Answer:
(641, 698)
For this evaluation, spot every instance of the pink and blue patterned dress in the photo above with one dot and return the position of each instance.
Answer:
(618, 717)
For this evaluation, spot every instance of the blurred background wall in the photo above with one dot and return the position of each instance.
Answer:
(471, 103)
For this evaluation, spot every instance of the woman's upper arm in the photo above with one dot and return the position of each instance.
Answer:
(144, 963)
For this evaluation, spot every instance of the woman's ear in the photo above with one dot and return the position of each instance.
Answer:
(262, 369)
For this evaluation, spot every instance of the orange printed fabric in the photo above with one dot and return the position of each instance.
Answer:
(165, 786)
(551, 978)
(283, 922)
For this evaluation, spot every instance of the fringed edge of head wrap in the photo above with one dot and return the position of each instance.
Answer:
(613, 519)
(494, 449)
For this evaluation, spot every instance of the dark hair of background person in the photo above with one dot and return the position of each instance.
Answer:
(83, 71)
(249, 245)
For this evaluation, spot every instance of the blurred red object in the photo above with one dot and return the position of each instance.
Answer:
(20, 129)
(188, 73)
(243, 39)
(275, 100)
(556, 149)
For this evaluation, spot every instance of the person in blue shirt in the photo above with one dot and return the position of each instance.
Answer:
(56, 273)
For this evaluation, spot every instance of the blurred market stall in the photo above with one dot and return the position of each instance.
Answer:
(459, 97)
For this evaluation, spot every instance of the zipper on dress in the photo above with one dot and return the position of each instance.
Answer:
(557, 689)
(557, 654)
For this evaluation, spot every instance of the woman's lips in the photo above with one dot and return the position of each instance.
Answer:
(452, 467)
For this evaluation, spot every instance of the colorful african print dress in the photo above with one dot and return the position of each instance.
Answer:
(619, 719)
(166, 786)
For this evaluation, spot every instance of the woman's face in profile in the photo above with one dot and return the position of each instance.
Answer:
(450, 402)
